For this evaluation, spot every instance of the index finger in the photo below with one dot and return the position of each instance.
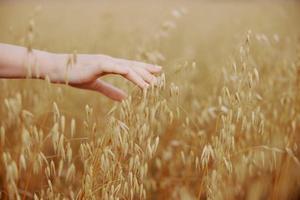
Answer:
(132, 63)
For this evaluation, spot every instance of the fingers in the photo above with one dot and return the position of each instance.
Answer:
(148, 77)
(109, 67)
(126, 72)
(137, 72)
(136, 78)
(143, 69)
(150, 68)
(105, 88)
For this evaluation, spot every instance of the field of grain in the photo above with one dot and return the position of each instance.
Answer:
(223, 122)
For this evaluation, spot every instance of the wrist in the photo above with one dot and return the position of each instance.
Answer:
(52, 66)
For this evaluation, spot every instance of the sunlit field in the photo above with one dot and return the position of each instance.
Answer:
(222, 123)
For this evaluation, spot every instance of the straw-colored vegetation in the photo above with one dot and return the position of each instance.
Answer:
(223, 123)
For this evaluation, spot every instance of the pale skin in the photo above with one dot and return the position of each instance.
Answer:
(84, 70)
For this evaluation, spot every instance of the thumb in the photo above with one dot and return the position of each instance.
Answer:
(107, 89)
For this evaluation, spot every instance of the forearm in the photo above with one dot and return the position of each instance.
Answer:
(81, 71)
(18, 62)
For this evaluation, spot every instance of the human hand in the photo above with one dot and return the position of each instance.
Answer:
(83, 71)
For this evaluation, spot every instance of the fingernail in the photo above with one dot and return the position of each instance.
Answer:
(146, 86)
(154, 81)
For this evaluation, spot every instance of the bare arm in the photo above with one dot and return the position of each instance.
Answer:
(15, 60)
(81, 71)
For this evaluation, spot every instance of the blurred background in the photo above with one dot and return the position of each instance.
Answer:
(227, 117)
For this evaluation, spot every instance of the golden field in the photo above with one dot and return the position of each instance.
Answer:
(223, 123)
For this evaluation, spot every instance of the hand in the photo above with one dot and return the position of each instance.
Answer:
(83, 71)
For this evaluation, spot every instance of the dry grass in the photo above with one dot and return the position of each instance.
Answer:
(223, 123)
